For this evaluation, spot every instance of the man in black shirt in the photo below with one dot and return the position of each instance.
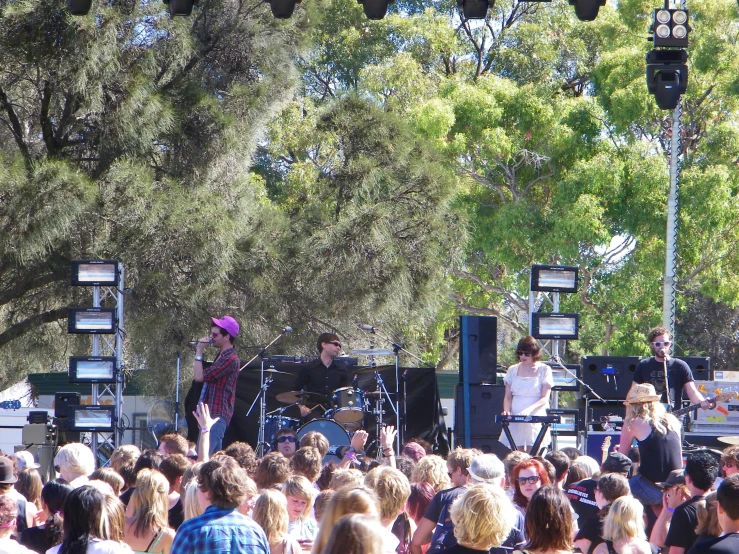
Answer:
(728, 516)
(701, 471)
(322, 376)
(652, 370)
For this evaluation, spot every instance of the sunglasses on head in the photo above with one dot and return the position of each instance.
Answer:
(286, 438)
(659, 344)
(531, 480)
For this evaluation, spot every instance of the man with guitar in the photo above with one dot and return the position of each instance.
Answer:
(661, 367)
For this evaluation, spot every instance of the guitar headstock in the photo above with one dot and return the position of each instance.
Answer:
(723, 395)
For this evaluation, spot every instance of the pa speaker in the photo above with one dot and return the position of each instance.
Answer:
(486, 401)
(700, 366)
(478, 349)
(610, 377)
(64, 399)
(486, 444)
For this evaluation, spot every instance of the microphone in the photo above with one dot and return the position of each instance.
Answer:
(287, 330)
(663, 354)
(196, 342)
(367, 327)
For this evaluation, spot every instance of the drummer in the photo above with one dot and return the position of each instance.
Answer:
(322, 376)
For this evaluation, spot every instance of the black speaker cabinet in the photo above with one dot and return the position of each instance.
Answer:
(486, 401)
(64, 399)
(478, 349)
(609, 376)
(486, 444)
(700, 366)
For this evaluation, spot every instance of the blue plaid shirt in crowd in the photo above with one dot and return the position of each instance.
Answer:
(220, 531)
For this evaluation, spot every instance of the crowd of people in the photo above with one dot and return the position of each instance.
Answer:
(412, 502)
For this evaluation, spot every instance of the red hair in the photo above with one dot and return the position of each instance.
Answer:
(530, 463)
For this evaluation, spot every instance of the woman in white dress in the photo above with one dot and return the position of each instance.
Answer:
(527, 387)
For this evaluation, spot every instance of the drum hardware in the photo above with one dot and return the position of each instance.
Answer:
(262, 396)
(273, 371)
(372, 369)
(371, 352)
(310, 399)
(274, 423)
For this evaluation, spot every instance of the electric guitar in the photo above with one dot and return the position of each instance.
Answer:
(10, 405)
(605, 447)
(721, 397)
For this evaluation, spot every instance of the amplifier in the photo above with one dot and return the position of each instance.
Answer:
(726, 413)
(39, 434)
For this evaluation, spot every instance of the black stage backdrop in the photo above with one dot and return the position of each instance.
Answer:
(424, 418)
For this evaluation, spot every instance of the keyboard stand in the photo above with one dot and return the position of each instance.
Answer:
(537, 443)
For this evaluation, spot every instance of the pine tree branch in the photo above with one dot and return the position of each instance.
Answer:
(17, 129)
(29, 324)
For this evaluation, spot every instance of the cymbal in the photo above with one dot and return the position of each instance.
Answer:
(304, 397)
(376, 394)
(371, 369)
(734, 440)
(372, 352)
(273, 371)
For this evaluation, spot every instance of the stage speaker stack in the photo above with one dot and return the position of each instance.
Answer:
(700, 366)
(610, 377)
(478, 360)
(62, 401)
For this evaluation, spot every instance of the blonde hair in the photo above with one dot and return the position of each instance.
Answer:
(357, 500)
(76, 458)
(432, 469)
(707, 513)
(346, 478)
(355, 533)
(115, 519)
(482, 517)
(270, 512)
(624, 520)
(391, 487)
(110, 476)
(653, 413)
(299, 487)
(149, 502)
(190, 503)
(123, 455)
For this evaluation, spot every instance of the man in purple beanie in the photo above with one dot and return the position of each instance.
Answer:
(219, 391)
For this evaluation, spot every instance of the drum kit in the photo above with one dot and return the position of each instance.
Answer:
(341, 415)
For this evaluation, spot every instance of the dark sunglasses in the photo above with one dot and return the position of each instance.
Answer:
(520, 353)
(531, 480)
(286, 438)
(335, 343)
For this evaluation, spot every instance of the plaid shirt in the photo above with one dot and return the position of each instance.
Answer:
(220, 531)
(219, 391)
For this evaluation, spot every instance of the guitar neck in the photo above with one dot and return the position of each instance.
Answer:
(683, 411)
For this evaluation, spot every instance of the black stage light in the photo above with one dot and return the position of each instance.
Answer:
(587, 10)
(283, 9)
(79, 7)
(667, 76)
(375, 9)
(180, 7)
(474, 9)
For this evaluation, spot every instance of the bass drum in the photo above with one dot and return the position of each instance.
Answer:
(334, 432)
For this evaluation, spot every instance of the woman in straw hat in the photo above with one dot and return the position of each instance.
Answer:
(658, 435)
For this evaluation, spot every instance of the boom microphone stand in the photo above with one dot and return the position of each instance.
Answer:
(262, 396)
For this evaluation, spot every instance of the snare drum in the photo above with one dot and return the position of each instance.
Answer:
(349, 405)
(334, 432)
(273, 423)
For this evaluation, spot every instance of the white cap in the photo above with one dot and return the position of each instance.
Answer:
(25, 460)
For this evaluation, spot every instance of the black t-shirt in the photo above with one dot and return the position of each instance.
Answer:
(516, 538)
(590, 529)
(582, 499)
(438, 511)
(652, 371)
(126, 496)
(660, 455)
(34, 538)
(683, 524)
(176, 515)
(316, 377)
(728, 544)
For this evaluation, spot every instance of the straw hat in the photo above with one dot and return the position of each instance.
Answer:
(640, 393)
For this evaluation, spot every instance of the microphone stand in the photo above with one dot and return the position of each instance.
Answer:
(397, 348)
(177, 395)
(264, 385)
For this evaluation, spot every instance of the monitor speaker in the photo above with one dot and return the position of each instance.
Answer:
(486, 401)
(610, 377)
(700, 366)
(64, 399)
(478, 349)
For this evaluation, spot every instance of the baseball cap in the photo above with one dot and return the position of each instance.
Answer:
(486, 468)
(616, 463)
(25, 460)
(228, 323)
(675, 478)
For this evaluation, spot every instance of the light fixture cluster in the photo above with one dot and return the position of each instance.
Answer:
(667, 70)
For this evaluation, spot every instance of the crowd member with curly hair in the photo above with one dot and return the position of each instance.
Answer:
(147, 528)
(432, 469)
(221, 529)
(272, 471)
(307, 462)
(528, 477)
(270, 512)
(483, 518)
(48, 534)
(8, 516)
(244, 454)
